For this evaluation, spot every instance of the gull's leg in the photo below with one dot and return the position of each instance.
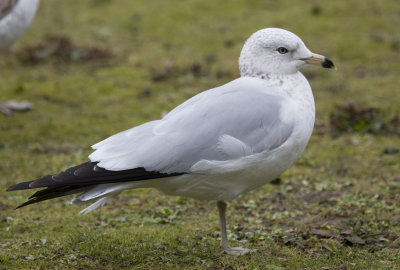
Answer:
(222, 221)
(235, 251)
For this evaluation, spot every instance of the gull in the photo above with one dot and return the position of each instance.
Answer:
(215, 146)
(15, 17)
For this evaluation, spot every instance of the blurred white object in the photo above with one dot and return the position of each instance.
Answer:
(15, 17)
(19, 105)
(12, 105)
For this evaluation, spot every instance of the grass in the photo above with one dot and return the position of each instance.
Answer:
(336, 208)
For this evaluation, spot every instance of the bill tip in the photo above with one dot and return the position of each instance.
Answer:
(328, 63)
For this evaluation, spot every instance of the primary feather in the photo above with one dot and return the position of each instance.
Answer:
(82, 178)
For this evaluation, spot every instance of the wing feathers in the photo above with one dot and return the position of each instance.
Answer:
(232, 148)
(80, 178)
(90, 174)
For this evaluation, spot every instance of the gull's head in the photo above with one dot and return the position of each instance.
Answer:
(277, 51)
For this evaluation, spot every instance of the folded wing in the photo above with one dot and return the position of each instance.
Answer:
(236, 119)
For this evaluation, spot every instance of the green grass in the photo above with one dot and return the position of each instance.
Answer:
(342, 187)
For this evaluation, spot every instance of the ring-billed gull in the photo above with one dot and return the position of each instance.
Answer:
(15, 17)
(215, 146)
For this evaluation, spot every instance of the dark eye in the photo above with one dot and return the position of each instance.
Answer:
(282, 50)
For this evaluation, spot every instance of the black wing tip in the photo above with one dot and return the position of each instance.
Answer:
(21, 205)
(89, 173)
(25, 204)
(21, 186)
(79, 178)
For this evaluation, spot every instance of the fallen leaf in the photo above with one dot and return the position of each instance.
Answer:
(347, 232)
(391, 150)
(354, 240)
(322, 233)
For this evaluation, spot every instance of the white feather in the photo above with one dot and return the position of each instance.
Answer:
(98, 204)
(232, 148)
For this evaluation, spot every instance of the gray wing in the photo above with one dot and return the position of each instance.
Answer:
(228, 122)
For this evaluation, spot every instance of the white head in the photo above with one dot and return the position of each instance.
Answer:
(277, 51)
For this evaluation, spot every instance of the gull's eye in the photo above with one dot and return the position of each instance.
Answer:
(282, 50)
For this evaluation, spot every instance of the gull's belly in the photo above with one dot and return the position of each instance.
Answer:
(218, 180)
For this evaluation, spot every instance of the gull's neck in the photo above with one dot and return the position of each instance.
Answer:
(292, 84)
(270, 76)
